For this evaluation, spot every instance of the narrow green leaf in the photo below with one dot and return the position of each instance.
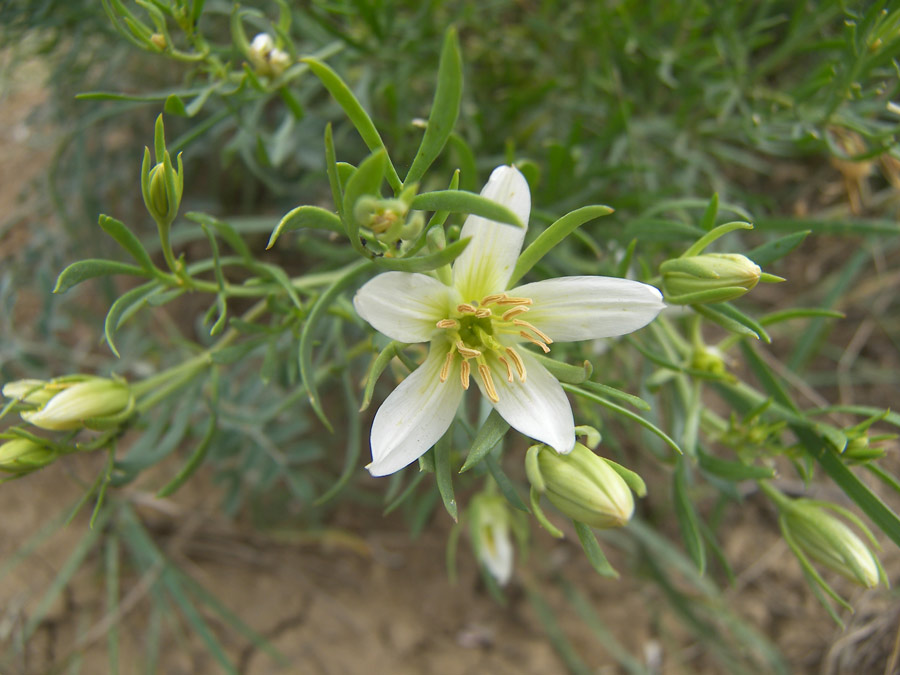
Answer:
(443, 474)
(777, 248)
(318, 310)
(193, 463)
(460, 201)
(697, 247)
(491, 432)
(126, 305)
(565, 372)
(127, 240)
(733, 471)
(354, 439)
(799, 313)
(734, 313)
(385, 356)
(593, 551)
(358, 116)
(552, 236)
(687, 516)
(175, 106)
(424, 263)
(444, 109)
(306, 216)
(606, 390)
(92, 268)
(712, 210)
(714, 314)
(507, 489)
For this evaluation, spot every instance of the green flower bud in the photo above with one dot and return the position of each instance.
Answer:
(827, 540)
(582, 485)
(489, 528)
(382, 216)
(29, 391)
(21, 456)
(92, 403)
(711, 277)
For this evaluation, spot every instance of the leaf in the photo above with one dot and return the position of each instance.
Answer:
(444, 109)
(552, 236)
(714, 314)
(175, 106)
(193, 463)
(733, 471)
(687, 516)
(565, 372)
(606, 390)
(507, 489)
(126, 305)
(460, 201)
(424, 263)
(777, 248)
(378, 365)
(358, 116)
(92, 268)
(491, 432)
(306, 216)
(127, 240)
(593, 551)
(443, 473)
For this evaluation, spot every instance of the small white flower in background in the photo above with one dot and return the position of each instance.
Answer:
(266, 57)
(489, 528)
(476, 328)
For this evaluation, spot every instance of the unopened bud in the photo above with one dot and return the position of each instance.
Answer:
(29, 391)
(266, 58)
(159, 41)
(489, 528)
(159, 205)
(711, 277)
(88, 403)
(582, 485)
(830, 542)
(21, 456)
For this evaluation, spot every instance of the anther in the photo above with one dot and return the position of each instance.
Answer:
(517, 362)
(483, 312)
(515, 301)
(491, 299)
(467, 352)
(464, 374)
(541, 334)
(509, 374)
(488, 381)
(445, 370)
(465, 308)
(515, 311)
(534, 340)
(448, 323)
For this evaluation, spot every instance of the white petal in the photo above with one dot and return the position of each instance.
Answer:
(404, 306)
(498, 555)
(583, 308)
(488, 261)
(415, 415)
(537, 407)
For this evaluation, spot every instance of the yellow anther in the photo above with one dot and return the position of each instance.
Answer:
(445, 369)
(515, 301)
(515, 311)
(491, 299)
(467, 352)
(509, 374)
(464, 374)
(448, 323)
(465, 308)
(541, 334)
(488, 382)
(517, 362)
(483, 312)
(535, 341)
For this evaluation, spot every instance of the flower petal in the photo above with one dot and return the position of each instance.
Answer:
(488, 261)
(497, 552)
(404, 306)
(415, 415)
(584, 308)
(537, 407)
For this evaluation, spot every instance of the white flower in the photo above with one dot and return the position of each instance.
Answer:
(266, 57)
(476, 328)
(489, 528)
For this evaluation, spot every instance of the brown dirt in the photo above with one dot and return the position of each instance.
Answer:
(362, 598)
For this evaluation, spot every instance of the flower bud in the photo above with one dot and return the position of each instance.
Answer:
(158, 40)
(829, 541)
(29, 391)
(489, 528)
(21, 456)
(582, 485)
(266, 58)
(711, 277)
(89, 402)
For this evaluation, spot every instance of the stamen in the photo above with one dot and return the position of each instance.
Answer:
(466, 351)
(517, 362)
(448, 323)
(488, 381)
(541, 334)
(483, 312)
(445, 369)
(491, 299)
(465, 308)
(515, 311)
(535, 341)
(509, 375)
(464, 374)
(515, 301)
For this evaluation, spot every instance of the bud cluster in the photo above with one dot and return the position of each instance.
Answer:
(71, 403)
(389, 219)
(266, 58)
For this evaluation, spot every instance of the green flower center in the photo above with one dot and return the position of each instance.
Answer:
(473, 330)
